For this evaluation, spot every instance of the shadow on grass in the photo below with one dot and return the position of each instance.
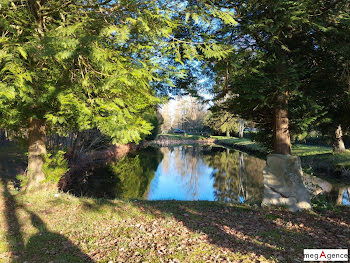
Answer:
(44, 246)
(274, 234)
(13, 236)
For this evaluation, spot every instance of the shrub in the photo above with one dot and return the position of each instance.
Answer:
(55, 166)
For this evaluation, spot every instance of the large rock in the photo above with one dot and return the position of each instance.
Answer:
(283, 183)
(316, 186)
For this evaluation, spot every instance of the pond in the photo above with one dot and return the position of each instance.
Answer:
(188, 172)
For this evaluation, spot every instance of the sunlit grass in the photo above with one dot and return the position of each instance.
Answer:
(304, 150)
(342, 159)
(172, 136)
(68, 228)
(241, 142)
(65, 228)
(311, 155)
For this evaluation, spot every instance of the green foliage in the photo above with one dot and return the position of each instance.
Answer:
(83, 65)
(129, 173)
(322, 204)
(285, 47)
(74, 69)
(128, 178)
(331, 74)
(23, 180)
(135, 173)
(221, 121)
(55, 166)
(155, 118)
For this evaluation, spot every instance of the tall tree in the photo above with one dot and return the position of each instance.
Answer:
(77, 64)
(222, 121)
(272, 65)
(330, 79)
(85, 64)
(167, 119)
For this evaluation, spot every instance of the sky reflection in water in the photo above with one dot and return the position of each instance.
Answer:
(210, 173)
(176, 179)
(206, 173)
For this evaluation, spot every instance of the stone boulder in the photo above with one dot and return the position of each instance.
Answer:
(283, 183)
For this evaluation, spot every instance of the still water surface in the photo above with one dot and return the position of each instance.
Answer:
(187, 172)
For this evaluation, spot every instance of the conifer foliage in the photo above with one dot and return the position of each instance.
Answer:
(274, 73)
(76, 65)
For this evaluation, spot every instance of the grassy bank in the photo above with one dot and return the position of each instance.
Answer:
(48, 228)
(318, 160)
(242, 144)
(297, 149)
(178, 139)
(171, 136)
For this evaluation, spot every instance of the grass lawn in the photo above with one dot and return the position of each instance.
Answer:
(171, 136)
(42, 227)
(297, 149)
(241, 143)
(319, 160)
(307, 150)
(50, 227)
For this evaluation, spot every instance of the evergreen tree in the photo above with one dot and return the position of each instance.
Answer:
(78, 65)
(222, 121)
(330, 79)
(71, 64)
(272, 66)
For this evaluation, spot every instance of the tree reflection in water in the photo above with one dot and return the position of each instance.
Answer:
(190, 173)
(335, 193)
(180, 173)
(238, 176)
(127, 178)
(181, 167)
(234, 176)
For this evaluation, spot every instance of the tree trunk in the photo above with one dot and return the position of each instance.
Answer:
(2, 135)
(76, 145)
(36, 151)
(227, 133)
(281, 129)
(241, 128)
(338, 145)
